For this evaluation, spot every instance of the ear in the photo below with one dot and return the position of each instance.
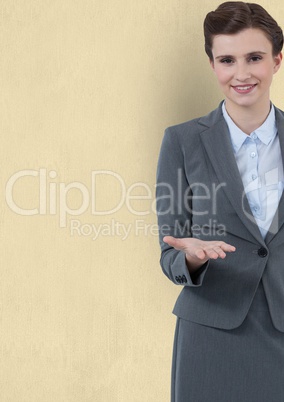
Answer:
(277, 62)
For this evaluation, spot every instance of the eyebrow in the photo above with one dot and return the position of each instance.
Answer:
(247, 55)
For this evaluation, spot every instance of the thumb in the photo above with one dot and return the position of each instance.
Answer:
(172, 241)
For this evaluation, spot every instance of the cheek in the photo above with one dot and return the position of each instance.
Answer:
(223, 76)
(264, 73)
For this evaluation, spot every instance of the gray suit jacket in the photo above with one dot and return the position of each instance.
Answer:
(200, 194)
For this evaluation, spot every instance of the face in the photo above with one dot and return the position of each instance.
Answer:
(244, 66)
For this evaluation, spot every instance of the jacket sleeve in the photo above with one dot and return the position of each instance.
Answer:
(173, 207)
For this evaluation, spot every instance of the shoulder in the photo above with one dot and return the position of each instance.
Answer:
(192, 128)
(278, 112)
(279, 118)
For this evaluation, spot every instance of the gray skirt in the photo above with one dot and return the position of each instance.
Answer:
(245, 364)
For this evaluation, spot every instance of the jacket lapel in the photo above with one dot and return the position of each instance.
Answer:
(278, 219)
(217, 143)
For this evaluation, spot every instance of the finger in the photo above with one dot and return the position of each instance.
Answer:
(226, 247)
(214, 252)
(199, 253)
(172, 241)
(211, 253)
(220, 252)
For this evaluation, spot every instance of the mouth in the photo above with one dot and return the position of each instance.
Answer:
(244, 89)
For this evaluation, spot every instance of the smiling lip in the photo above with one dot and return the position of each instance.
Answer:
(244, 89)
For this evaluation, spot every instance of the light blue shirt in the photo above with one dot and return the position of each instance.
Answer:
(259, 160)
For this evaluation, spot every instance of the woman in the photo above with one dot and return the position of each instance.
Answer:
(221, 219)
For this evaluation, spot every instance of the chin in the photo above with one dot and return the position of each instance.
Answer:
(245, 102)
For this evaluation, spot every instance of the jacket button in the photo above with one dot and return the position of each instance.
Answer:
(181, 279)
(262, 252)
(184, 280)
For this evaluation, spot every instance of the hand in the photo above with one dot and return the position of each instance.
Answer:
(197, 251)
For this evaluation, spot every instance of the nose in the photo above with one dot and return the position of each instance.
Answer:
(242, 72)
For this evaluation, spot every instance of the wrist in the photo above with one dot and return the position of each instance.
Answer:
(193, 264)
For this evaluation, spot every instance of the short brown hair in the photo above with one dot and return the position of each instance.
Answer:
(232, 17)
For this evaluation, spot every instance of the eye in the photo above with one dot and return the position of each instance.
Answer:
(255, 58)
(226, 60)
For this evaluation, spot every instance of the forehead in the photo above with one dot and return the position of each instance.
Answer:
(244, 42)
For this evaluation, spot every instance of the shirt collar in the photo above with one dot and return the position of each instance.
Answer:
(266, 132)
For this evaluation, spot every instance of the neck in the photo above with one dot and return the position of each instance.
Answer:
(248, 118)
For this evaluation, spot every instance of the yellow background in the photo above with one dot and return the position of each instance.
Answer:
(87, 86)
